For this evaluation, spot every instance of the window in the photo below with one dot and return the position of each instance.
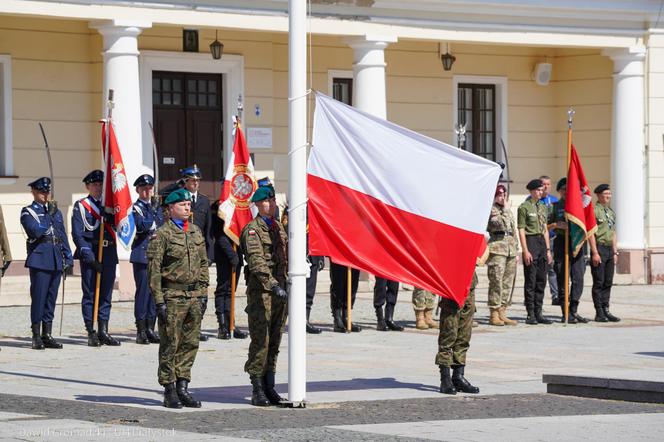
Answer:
(476, 107)
(342, 90)
(6, 144)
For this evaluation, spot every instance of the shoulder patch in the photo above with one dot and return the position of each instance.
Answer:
(251, 232)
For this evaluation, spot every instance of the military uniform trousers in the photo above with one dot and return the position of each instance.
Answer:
(44, 286)
(603, 276)
(385, 290)
(456, 328)
(423, 299)
(222, 291)
(312, 280)
(88, 283)
(144, 306)
(179, 337)
(577, 268)
(500, 270)
(267, 315)
(535, 273)
(339, 286)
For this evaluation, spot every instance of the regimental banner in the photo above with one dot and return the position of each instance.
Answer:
(579, 208)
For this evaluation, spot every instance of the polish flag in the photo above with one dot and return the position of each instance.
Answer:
(394, 203)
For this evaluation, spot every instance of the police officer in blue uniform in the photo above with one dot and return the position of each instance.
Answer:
(85, 225)
(48, 256)
(148, 217)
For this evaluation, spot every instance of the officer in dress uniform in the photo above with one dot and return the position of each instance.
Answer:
(385, 293)
(85, 225)
(48, 256)
(148, 217)
(339, 296)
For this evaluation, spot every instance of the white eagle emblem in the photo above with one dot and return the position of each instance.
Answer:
(585, 197)
(119, 179)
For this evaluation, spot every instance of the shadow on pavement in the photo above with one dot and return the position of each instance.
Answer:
(120, 400)
(658, 354)
(78, 381)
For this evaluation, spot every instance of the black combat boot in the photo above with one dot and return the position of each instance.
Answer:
(339, 323)
(37, 343)
(270, 392)
(48, 340)
(573, 312)
(93, 339)
(540, 318)
(141, 332)
(258, 397)
(389, 318)
(237, 333)
(104, 337)
(185, 397)
(599, 315)
(152, 335)
(609, 316)
(223, 332)
(446, 384)
(311, 329)
(380, 320)
(171, 399)
(530, 319)
(460, 382)
(353, 326)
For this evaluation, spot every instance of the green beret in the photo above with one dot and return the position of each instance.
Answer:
(561, 183)
(178, 196)
(262, 193)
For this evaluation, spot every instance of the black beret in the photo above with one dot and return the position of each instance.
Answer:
(96, 176)
(561, 183)
(144, 180)
(601, 188)
(42, 184)
(534, 184)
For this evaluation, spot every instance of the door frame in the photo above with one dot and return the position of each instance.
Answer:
(231, 68)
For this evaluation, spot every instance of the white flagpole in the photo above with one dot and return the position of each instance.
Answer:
(297, 197)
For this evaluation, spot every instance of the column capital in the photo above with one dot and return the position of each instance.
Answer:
(370, 41)
(627, 61)
(116, 32)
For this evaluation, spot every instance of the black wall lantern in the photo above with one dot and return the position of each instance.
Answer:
(447, 59)
(216, 47)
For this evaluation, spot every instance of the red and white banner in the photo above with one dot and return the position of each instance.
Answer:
(235, 207)
(395, 203)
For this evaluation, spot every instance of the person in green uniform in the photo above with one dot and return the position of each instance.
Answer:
(605, 255)
(534, 237)
(265, 246)
(423, 303)
(178, 278)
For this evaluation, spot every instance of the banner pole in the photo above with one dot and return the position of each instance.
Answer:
(570, 115)
(231, 320)
(348, 299)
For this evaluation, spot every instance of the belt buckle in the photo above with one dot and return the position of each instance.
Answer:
(104, 243)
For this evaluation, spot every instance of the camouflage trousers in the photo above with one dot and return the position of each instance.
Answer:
(456, 327)
(267, 315)
(423, 299)
(500, 270)
(179, 339)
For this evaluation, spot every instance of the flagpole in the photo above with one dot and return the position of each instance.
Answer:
(231, 319)
(100, 248)
(570, 116)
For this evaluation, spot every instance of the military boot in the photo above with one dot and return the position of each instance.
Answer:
(48, 340)
(258, 397)
(171, 399)
(428, 318)
(573, 310)
(183, 394)
(237, 333)
(353, 326)
(539, 317)
(93, 339)
(311, 329)
(141, 334)
(337, 315)
(389, 318)
(609, 316)
(37, 343)
(420, 323)
(104, 337)
(460, 382)
(223, 332)
(504, 318)
(530, 319)
(380, 320)
(152, 335)
(599, 315)
(202, 337)
(270, 392)
(446, 384)
(494, 318)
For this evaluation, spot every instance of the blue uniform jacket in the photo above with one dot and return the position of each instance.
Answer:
(147, 220)
(85, 232)
(47, 244)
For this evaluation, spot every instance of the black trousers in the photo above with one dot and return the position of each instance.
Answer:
(385, 290)
(339, 286)
(577, 268)
(312, 280)
(603, 276)
(535, 274)
(222, 293)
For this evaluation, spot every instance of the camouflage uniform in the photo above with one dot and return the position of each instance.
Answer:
(265, 249)
(502, 256)
(456, 327)
(178, 275)
(423, 299)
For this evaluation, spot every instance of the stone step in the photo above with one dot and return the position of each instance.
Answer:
(605, 388)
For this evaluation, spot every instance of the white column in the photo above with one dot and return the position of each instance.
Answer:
(628, 146)
(369, 73)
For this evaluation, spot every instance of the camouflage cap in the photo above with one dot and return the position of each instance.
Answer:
(178, 196)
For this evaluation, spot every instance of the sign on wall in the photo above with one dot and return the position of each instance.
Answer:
(259, 137)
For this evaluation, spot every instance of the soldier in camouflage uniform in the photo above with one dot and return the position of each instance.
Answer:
(178, 275)
(501, 265)
(423, 304)
(264, 243)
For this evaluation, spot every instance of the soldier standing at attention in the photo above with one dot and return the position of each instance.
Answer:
(85, 224)
(48, 256)
(178, 274)
(385, 293)
(148, 217)
(548, 200)
(339, 297)
(265, 246)
(605, 257)
(423, 303)
(501, 265)
(534, 236)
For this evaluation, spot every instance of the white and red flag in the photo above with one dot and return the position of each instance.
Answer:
(394, 203)
(235, 207)
(117, 199)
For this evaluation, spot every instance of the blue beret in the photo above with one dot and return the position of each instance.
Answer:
(178, 196)
(534, 184)
(144, 180)
(191, 172)
(262, 193)
(601, 188)
(561, 183)
(42, 184)
(96, 176)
